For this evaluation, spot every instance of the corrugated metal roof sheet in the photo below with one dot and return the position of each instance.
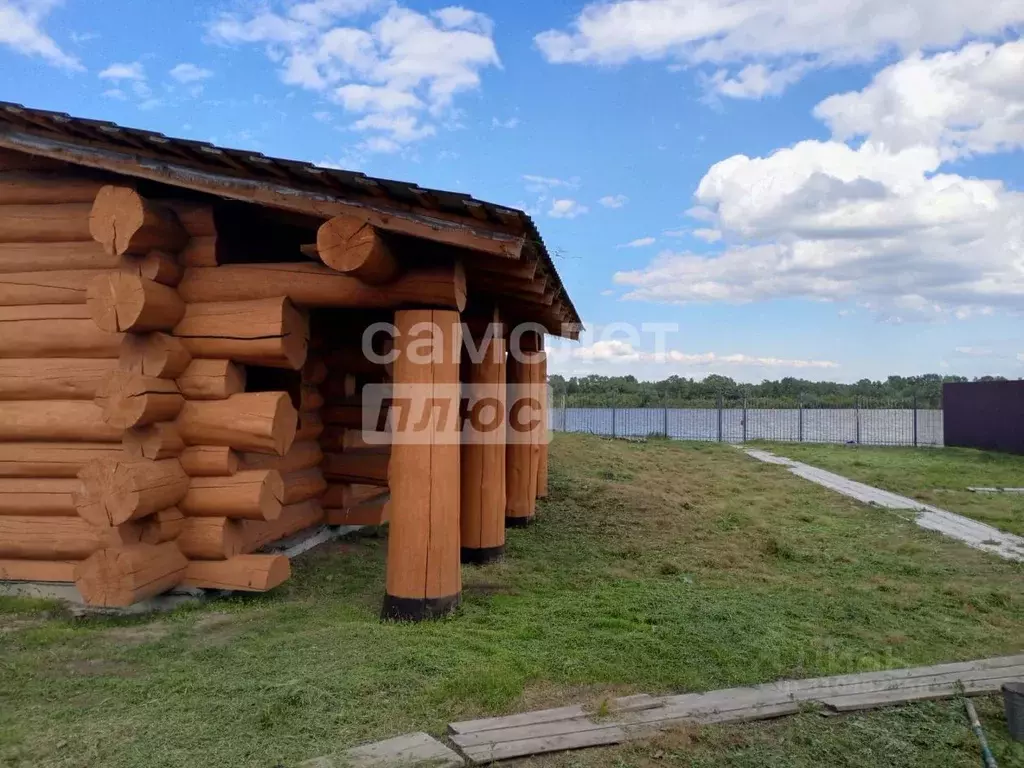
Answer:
(240, 163)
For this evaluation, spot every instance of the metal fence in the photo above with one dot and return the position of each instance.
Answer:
(874, 423)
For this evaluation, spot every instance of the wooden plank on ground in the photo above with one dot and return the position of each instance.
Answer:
(412, 749)
(551, 730)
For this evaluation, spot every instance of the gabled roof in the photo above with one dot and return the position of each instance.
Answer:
(494, 231)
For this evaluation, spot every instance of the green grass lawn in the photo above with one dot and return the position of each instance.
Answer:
(656, 567)
(936, 476)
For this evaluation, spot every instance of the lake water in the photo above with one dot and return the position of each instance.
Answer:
(881, 426)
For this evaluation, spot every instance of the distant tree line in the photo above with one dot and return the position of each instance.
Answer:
(680, 392)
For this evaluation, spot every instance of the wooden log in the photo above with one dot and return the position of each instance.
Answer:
(52, 459)
(121, 576)
(259, 422)
(314, 285)
(352, 246)
(54, 330)
(367, 468)
(250, 495)
(209, 461)
(130, 399)
(545, 434)
(269, 332)
(37, 570)
(304, 454)
(314, 371)
(198, 219)
(154, 354)
(310, 398)
(165, 525)
(210, 538)
(36, 188)
(18, 289)
(201, 252)
(67, 222)
(522, 452)
(303, 485)
(38, 496)
(211, 380)
(482, 519)
(122, 302)
(57, 379)
(114, 492)
(156, 441)
(311, 426)
(156, 265)
(55, 421)
(257, 534)
(370, 513)
(49, 257)
(342, 495)
(423, 573)
(47, 538)
(245, 573)
(343, 440)
(124, 222)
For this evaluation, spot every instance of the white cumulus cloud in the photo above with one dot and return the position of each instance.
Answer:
(21, 29)
(881, 223)
(613, 201)
(402, 70)
(640, 242)
(774, 33)
(566, 209)
(963, 102)
(190, 73)
(132, 71)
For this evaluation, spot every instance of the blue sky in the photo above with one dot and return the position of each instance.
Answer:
(833, 194)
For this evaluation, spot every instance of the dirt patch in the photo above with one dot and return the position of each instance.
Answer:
(216, 629)
(138, 635)
(10, 624)
(487, 589)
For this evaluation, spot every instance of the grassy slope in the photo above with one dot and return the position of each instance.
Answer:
(656, 567)
(939, 477)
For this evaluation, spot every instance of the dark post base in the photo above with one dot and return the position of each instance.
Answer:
(472, 556)
(418, 609)
(518, 522)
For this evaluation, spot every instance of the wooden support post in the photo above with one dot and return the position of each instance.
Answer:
(545, 433)
(483, 446)
(423, 576)
(522, 455)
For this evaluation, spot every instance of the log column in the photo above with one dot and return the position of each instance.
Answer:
(483, 446)
(133, 500)
(423, 574)
(545, 433)
(525, 422)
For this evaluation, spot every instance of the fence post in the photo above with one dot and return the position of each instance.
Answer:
(719, 417)
(744, 418)
(856, 413)
(800, 419)
(915, 419)
(666, 420)
(613, 421)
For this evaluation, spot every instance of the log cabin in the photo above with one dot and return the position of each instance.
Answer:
(185, 362)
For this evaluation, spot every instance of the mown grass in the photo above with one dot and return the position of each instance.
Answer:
(653, 567)
(936, 476)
